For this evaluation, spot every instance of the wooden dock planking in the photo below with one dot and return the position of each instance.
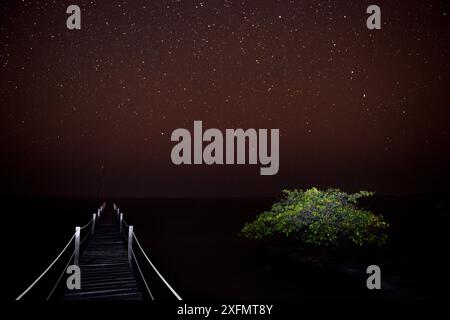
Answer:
(105, 271)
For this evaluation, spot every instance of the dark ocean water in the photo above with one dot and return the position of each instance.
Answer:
(195, 244)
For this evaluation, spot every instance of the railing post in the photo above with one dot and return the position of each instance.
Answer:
(93, 223)
(130, 243)
(77, 246)
(120, 223)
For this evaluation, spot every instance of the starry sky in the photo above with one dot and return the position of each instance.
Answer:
(89, 112)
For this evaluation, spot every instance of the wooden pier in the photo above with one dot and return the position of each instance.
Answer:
(109, 268)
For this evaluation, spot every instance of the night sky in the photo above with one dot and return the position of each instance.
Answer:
(89, 112)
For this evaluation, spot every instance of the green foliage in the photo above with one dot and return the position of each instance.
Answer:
(319, 218)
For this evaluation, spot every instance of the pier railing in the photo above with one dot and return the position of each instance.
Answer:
(128, 234)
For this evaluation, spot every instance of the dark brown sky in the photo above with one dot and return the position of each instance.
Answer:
(94, 109)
